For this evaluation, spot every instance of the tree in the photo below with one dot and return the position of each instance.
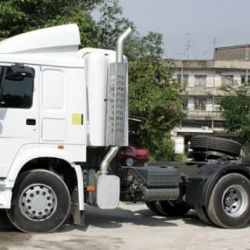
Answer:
(18, 16)
(236, 110)
(153, 95)
(111, 24)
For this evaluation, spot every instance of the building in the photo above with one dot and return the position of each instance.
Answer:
(202, 81)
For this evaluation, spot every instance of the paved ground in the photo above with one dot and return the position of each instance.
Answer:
(129, 227)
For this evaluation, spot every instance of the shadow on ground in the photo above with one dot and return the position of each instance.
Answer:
(143, 217)
(117, 218)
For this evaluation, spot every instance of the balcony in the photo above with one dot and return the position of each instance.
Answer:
(204, 115)
(205, 91)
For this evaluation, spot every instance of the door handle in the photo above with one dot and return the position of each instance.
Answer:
(30, 122)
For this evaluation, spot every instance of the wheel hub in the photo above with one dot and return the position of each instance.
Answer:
(130, 162)
(38, 202)
(234, 201)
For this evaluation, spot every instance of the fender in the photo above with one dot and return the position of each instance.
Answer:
(30, 152)
(200, 185)
(33, 151)
(79, 176)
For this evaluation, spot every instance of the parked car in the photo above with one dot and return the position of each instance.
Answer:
(133, 155)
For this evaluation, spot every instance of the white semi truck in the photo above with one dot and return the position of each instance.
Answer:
(60, 108)
(63, 117)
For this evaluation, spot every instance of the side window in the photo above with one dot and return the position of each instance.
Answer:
(17, 89)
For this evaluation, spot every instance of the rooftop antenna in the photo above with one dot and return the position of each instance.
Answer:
(214, 44)
(188, 45)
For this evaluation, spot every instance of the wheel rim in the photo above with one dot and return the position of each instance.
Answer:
(234, 200)
(130, 162)
(38, 202)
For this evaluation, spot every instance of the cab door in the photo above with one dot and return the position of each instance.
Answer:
(18, 112)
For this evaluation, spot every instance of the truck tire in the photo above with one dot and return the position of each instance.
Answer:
(40, 202)
(174, 208)
(229, 204)
(202, 214)
(168, 208)
(202, 143)
(155, 208)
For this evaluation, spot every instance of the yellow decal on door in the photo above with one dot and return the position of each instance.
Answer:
(77, 119)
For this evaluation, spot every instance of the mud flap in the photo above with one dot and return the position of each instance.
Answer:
(78, 216)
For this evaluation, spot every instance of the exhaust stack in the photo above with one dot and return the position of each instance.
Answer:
(120, 44)
(107, 159)
(119, 59)
(108, 186)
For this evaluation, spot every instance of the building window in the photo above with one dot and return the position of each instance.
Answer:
(227, 80)
(200, 103)
(17, 89)
(200, 80)
(243, 79)
(183, 80)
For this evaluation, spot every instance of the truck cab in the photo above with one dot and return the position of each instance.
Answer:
(60, 107)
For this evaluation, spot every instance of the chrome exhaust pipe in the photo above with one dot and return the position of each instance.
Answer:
(119, 59)
(107, 159)
(120, 43)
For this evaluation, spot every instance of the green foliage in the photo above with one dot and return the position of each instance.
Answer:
(167, 151)
(236, 110)
(153, 95)
(148, 47)
(111, 24)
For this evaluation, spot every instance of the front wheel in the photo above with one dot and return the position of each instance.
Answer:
(229, 204)
(40, 203)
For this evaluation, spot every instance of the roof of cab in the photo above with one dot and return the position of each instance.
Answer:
(63, 38)
(54, 46)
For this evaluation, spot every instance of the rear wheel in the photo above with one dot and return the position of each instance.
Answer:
(168, 208)
(229, 204)
(155, 207)
(202, 214)
(40, 203)
(174, 208)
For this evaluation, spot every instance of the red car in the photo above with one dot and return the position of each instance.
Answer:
(133, 155)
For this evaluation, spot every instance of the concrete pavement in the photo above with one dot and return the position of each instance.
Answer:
(131, 226)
